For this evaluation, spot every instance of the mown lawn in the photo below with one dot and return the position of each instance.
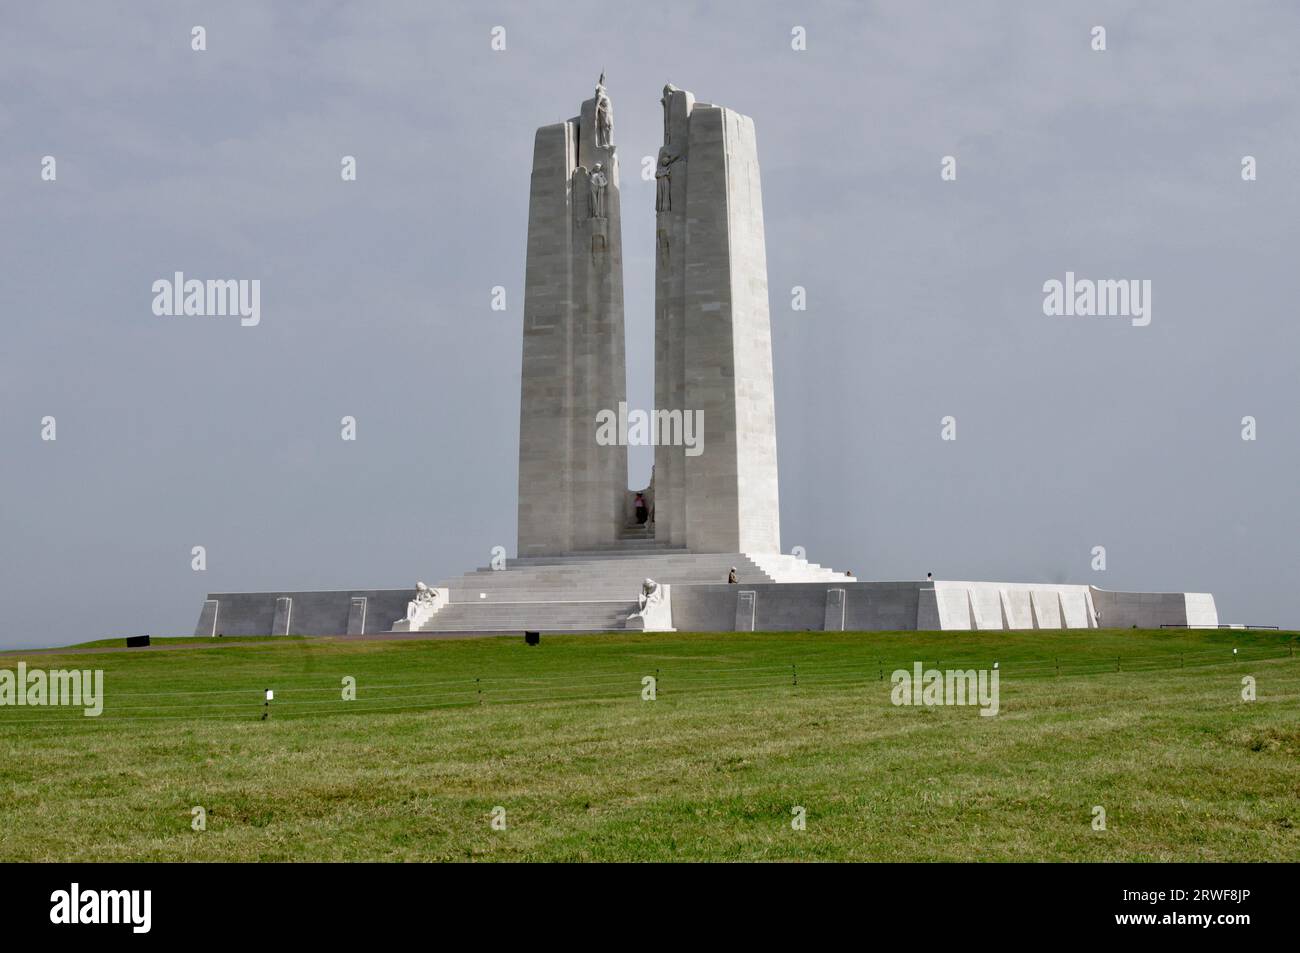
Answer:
(182, 640)
(1151, 726)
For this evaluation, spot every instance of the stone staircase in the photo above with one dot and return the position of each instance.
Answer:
(637, 531)
(783, 567)
(535, 615)
(595, 590)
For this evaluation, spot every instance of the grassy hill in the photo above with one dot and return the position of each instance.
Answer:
(1149, 725)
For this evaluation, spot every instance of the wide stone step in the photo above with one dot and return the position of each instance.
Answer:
(623, 564)
(469, 597)
(545, 629)
(589, 555)
(601, 573)
(585, 615)
(783, 567)
(617, 577)
(549, 609)
(583, 588)
(608, 570)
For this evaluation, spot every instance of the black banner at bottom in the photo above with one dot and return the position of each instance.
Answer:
(334, 902)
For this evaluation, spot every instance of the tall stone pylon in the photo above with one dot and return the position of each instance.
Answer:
(572, 489)
(713, 334)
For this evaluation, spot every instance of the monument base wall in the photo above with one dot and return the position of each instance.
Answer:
(797, 607)
(312, 612)
(943, 606)
(569, 595)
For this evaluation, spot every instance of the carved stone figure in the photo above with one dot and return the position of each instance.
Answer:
(604, 116)
(651, 592)
(596, 194)
(663, 178)
(669, 89)
(420, 609)
(654, 609)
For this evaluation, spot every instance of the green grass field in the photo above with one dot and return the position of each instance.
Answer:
(183, 640)
(1149, 725)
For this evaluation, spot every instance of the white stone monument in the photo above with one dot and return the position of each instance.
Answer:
(421, 609)
(713, 338)
(583, 548)
(570, 488)
(654, 609)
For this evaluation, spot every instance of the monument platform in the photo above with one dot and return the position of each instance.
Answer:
(598, 592)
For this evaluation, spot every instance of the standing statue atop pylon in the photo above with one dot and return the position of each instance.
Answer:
(604, 115)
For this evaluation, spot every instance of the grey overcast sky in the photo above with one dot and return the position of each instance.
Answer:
(924, 296)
